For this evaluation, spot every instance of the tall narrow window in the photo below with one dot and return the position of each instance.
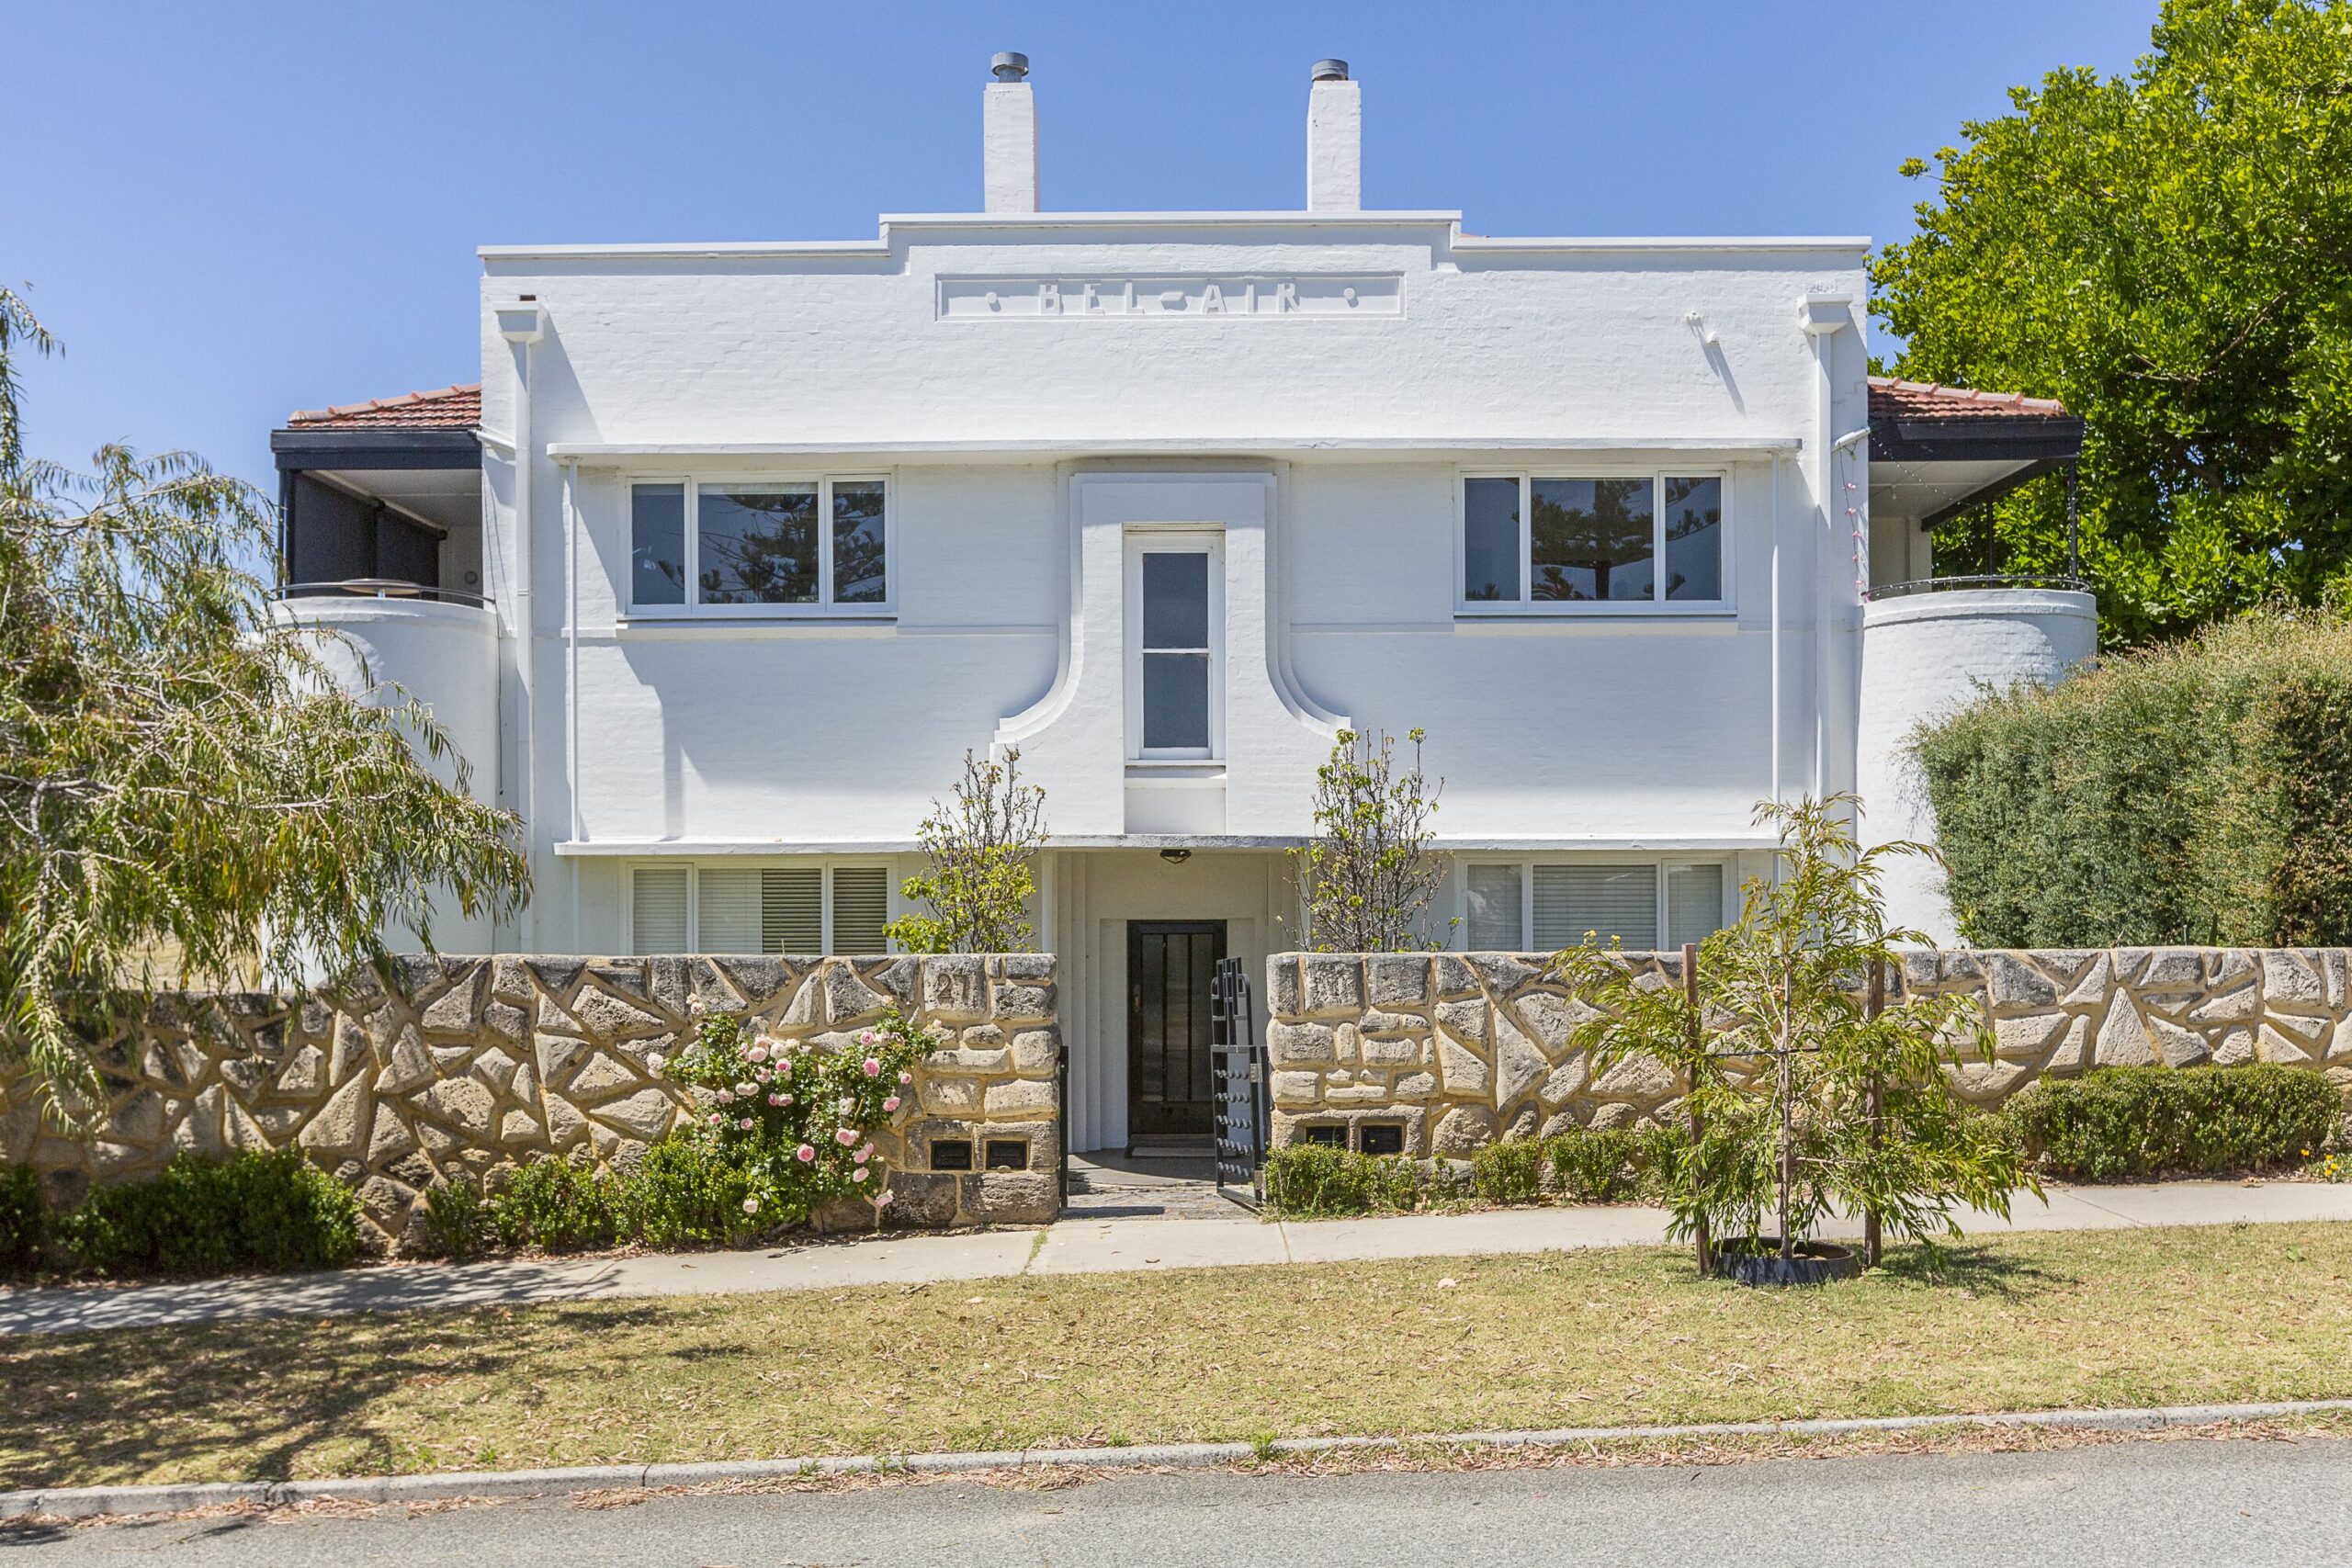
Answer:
(1694, 543)
(792, 909)
(861, 908)
(658, 908)
(1694, 903)
(1490, 540)
(1496, 893)
(1177, 655)
(727, 909)
(657, 544)
(859, 558)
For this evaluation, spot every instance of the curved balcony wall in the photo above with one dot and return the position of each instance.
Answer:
(444, 653)
(1924, 655)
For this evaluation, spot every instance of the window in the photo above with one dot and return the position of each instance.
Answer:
(760, 547)
(771, 908)
(1518, 905)
(1175, 603)
(1611, 542)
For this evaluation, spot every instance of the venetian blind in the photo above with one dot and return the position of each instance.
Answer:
(861, 908)
(792, 909)
(1494, 909)
(1610, 901)
(727, 909)
(658, 908)
(1694, 903)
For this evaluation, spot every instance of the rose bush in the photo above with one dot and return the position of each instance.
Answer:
(799, 1117)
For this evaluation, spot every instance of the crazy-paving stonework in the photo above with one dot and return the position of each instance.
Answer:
(478, 1064)
(1462, 1048)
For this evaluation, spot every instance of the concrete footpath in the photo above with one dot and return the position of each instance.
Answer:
(1197, 1236)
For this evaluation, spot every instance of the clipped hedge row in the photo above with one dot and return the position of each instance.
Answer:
(2117, 1123)
(2195, 793)
(1581, 1165)
(197, 1216)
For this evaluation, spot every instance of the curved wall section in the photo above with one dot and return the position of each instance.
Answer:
(1923, 656)
(446, 656)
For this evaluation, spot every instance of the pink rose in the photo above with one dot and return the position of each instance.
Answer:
(873, 1068)
(858, 1175)
(759, 1052)
(716, 1119)
(866, 1038)
(776, 1099)
(783, 1068)
(726, 1097)
(805, 1154)
(844, 1136)
(865, 1153)
(746, 1125)
(906, 1077)
(882, 1198)
(891, 1103)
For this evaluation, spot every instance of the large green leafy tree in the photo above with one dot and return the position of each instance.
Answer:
(2171, 253)
(178, 773)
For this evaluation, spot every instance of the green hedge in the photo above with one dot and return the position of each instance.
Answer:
(2118, 1123)
(212, 1216)
(686, 1191)
(2200, 792)
(1580, 1165)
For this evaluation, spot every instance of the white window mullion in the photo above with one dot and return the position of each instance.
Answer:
(825, 542)
(1526, 542)
(1657, 555)
(1527, 905)
(693, 545)
(825, 911)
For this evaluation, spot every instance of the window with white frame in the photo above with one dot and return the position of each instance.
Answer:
(1542, 907)
(1543, 542)
(819, 908)
(1175, 658)
(760, 547)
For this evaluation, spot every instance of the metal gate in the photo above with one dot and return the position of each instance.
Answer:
(1238, 1077)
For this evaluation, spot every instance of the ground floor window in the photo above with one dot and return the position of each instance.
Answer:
(805, 907)
(1523, 906)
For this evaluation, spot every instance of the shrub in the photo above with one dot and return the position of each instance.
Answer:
(1509, 1171)
(557, 1206)
(690, 1191)
(2139, 1122)
(456, 1218)
(24, 1221)
(251, 1210)
(2199, 791)
(1601, 1164)
(1312, 1178)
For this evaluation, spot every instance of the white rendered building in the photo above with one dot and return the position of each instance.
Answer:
(737, 550)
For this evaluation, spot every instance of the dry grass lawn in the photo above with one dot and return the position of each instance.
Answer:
(1429, 1345)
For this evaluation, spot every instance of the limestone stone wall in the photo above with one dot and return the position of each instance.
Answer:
(478, 1064)
(1460, 1048)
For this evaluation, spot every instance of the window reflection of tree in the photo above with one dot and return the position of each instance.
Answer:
(859, 569)
(1578, 549)
(1693, 507)
(768, 557)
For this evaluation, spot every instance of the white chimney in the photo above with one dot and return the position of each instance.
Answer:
(1334, 141)
(1009, 137)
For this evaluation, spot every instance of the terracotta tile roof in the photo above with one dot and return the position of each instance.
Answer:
(1891, 399)
(448, 408)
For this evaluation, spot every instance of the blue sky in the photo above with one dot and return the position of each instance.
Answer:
(228, 211)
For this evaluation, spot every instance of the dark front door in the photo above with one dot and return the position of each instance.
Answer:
(1171, 968)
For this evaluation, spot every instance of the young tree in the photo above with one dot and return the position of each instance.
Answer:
(1368, 873)
(177, 767)
(2167, 253)
(981, 849)
(1846, 1109)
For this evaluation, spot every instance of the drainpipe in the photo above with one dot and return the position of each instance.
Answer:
(523, 324)
(1821, 316)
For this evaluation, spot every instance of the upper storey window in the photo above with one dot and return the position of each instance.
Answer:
(1175, 612)
(1541, 542)
(763, 546)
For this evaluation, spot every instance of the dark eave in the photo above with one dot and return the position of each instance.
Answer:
(299, 448)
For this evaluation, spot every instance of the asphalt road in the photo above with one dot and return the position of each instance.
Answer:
(2144, 1505)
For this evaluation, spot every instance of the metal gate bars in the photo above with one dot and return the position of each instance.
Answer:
(1239, 1078)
